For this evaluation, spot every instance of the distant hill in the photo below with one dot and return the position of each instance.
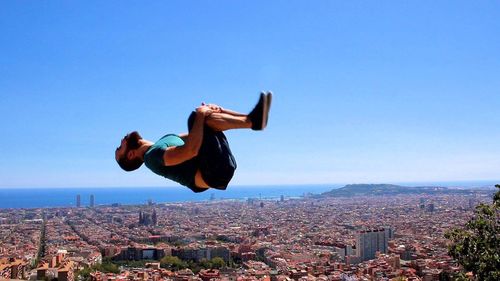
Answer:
(388, 189)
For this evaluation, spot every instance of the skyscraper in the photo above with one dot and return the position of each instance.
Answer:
(389, 232)
(368, 242)
(92, 201)
(78, 201)
(471, 203)
(147, 218)
(430, 208)
(154, 218)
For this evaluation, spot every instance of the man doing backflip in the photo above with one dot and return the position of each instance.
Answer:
(201, 158)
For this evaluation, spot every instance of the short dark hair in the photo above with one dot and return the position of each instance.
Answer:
(129, 164)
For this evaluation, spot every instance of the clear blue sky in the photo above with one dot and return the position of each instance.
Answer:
(365, 91)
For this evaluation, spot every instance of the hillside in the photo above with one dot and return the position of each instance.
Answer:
(387, 189)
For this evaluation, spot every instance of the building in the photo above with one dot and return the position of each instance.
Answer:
(5, 271)
(146, 218)
(368, 242)
(133, 253)
(389, 232)
(12, 268)
(78, 201)
(65, 271)
(209, 274)
(92, 202)
(343, 250)
(422, 204)
(472, 203)
(430, 208)
(41, 270)
(154, 218)
(199, 253)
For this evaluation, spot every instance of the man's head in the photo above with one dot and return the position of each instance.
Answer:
(127, 153)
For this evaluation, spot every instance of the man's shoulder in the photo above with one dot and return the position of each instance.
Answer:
(169, 140)
(154, 155)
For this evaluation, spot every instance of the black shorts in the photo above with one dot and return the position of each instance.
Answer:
(214, 159)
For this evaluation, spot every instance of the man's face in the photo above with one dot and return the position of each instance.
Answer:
(128, 143)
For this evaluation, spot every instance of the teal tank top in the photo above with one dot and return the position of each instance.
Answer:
(183, 173)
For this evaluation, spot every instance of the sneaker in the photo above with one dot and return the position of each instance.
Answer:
(258, 115)
(269, 99)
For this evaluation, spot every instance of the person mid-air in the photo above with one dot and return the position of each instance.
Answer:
(200, 159)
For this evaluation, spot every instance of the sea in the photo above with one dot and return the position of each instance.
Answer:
(66, 197)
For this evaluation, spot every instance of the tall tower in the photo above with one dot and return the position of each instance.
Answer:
(154, 218)
(78, 201)
(369, 242)
(92, 201)
(471, 203)
(430, 208)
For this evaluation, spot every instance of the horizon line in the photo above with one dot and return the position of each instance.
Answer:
(445, 183)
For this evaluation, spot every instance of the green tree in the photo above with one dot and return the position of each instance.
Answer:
(194, 266)
(84, 273)
(477, 246)
(106, 267)
(217, 262)
(205, 263)
(172, 263)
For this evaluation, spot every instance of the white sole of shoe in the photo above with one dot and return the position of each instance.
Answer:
(269, 100)
(264, 111)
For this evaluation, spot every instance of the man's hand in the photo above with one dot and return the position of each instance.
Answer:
(175, 155)
(213, 107)
(204, 110)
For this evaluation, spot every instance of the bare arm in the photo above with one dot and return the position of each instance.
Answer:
(184, 136)
(219, 109)
(192, 142)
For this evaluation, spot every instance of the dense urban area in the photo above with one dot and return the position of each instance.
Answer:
(399, 237)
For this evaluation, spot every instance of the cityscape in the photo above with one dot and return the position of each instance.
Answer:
(304, 183)
(390, 237)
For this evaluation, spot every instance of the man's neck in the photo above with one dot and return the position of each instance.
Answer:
(145, 145)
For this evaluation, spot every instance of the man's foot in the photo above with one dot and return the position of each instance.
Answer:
(258, 115)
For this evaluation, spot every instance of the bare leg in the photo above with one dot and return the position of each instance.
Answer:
(224, 121)
(230, 112)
